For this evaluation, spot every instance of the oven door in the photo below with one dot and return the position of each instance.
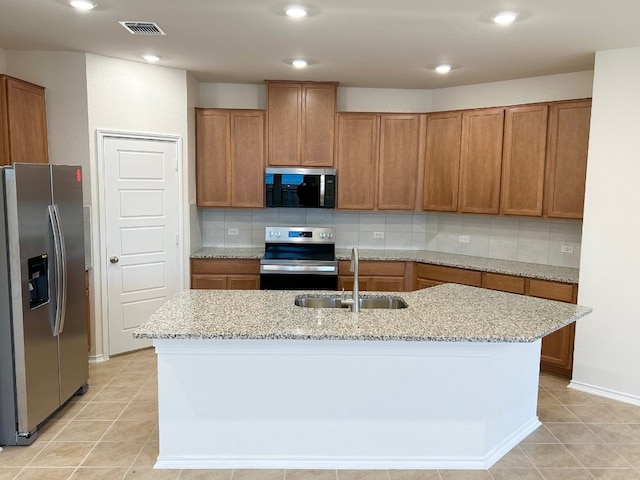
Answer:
(298, 275)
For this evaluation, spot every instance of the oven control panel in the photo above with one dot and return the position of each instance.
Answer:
(300, 235)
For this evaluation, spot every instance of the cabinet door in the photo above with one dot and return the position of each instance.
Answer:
(23, 123)
(525, 134)
(421, 283)
(398, 162)
(449, 274)
(356, 160)
(386, 284)
(481, 161)
(247, 159)
(213, 157)
(504, 283)
(345, 282)
(442, 161)
(567, 158)
(208, 281)
(318, 124)
(284, 119)
(243, 282)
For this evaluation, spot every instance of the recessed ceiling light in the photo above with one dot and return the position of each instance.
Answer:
(151, 58)
(444, 68)
(295, 11)
(299, 63)
(504, 18)
(82, 4)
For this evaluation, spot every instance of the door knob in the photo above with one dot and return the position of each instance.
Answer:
(114, 259)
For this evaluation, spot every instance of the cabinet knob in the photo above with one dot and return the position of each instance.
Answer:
(114, 259)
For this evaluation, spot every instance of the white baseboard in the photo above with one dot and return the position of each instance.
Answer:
(605, 392)
(353, 463)
(97, 359)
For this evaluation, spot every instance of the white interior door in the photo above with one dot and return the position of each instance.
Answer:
(142, 233)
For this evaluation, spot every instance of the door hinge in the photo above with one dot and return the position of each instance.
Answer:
(177, 239)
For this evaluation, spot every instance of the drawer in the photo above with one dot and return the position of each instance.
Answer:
(373, 268)
(449, 274)
(504, 283)
(563, 292)
(225, 266)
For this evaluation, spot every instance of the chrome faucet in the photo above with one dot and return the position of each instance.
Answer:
(354, 268)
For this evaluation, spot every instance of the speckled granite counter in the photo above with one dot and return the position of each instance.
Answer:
(523, 269)
(447, 313)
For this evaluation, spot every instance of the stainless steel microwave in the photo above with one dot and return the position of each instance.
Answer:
(300, 187)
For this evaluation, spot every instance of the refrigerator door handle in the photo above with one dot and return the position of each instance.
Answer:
(60, 268)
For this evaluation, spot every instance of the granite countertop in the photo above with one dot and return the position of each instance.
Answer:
(507, 267)
(447, 313)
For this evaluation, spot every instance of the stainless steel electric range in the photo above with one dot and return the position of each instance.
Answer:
(299, 258)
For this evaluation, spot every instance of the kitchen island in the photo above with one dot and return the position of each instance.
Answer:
(246, 379)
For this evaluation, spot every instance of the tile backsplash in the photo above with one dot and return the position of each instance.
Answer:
(523, 239)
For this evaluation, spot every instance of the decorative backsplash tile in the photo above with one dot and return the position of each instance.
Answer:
(526, 239)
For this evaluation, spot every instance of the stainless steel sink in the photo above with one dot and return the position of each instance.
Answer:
(391, 302)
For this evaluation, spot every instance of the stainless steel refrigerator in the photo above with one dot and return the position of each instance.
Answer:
(43, 334)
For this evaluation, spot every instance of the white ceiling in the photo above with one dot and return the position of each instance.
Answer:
(360, 43)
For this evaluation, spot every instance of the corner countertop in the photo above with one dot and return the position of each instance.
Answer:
(507, 267)
(446, 313)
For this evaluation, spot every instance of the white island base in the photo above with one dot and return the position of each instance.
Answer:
(326, 404)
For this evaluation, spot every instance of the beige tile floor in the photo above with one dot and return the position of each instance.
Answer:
(111, 433)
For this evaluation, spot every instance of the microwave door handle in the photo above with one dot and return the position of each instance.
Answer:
(321, 203)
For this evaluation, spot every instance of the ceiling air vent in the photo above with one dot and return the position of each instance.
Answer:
(142, 28)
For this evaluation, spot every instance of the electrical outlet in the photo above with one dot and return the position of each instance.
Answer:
(379, 235)
(566, 249)
(464, 239)
(233, 231)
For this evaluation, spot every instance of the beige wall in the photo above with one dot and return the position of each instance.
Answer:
(350, 99)
(513, 92)
(607, 349)
(63, 76)
(133, 97)
(3, 61)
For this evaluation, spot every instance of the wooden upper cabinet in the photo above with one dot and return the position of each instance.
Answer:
(525, 135)
(247, 159)
(301, 123)
(284, 122)
(442, 161)
(357, 160)
(229, 158)
(318, 124)
(213, 156)
(568, 143)
(398, 165)
(481, 161)
(23, 122)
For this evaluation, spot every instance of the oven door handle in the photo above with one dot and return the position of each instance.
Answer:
(326, 269)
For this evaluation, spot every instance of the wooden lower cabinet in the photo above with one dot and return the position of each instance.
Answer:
(375, 276)
(556, 356)
(557, 348)
(225, 274)
(432, 275)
